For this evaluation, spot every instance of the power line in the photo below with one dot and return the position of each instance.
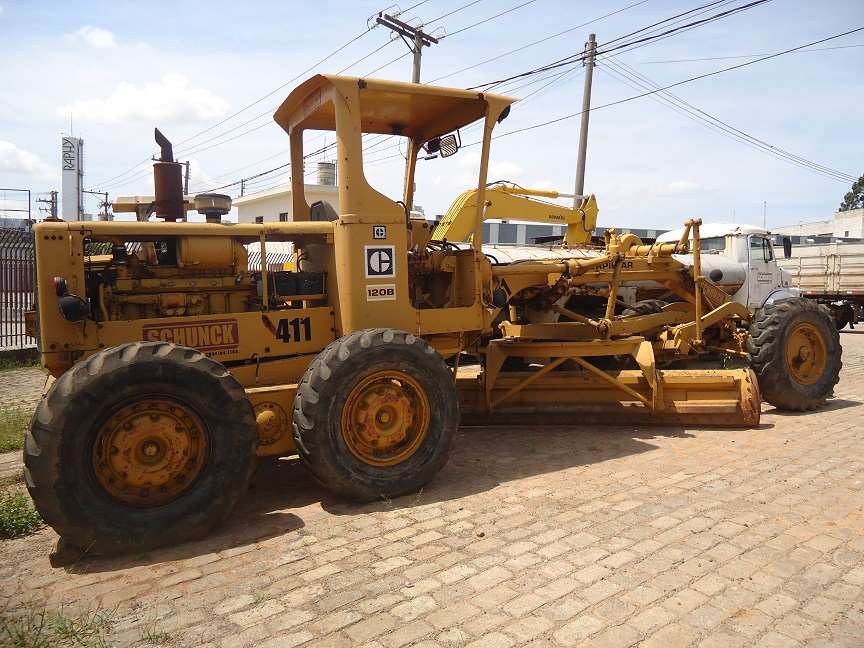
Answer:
(262, 98)
(740, 56)
(485, 20)
(671, 20)
(672, 85)
(665, 20)
(579, 57)
(633, 79)
(450, 13)
(538, 42)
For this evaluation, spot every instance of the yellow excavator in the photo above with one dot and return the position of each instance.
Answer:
(509, 201)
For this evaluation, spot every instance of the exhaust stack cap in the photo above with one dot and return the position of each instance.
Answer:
(167, 150)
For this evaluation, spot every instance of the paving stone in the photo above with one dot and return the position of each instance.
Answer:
(579, 629)
(739, 537)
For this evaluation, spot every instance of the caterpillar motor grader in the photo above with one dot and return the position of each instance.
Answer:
(176, 366)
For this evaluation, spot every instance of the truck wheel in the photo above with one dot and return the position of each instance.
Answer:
(375, 414)
(141, 445)
(843, 316)
(644, 307)
(795, 351)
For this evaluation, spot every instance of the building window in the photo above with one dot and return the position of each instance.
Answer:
(283, 217)
(259, 219)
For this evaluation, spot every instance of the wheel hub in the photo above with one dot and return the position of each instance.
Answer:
(385, 418)
(150, 452)
(806, 355)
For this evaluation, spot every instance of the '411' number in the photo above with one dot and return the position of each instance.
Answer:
(289, 330)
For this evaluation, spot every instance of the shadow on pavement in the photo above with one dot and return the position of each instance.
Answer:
(485, 457)
(830, 406)
(481, 459)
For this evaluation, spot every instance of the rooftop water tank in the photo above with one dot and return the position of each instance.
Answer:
(327, 173)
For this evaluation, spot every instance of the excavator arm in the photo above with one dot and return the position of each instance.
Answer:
(511, 202)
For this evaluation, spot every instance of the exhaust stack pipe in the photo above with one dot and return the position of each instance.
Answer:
(165, 146)
(168, 182)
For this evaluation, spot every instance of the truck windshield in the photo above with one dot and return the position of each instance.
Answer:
(713, 243)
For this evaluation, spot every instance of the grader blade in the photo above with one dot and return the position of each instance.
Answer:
(717, 398)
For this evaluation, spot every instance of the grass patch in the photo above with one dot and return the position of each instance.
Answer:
(19, 360)
(152, 636)
(17, 515)
(13, 424)
(36, 628)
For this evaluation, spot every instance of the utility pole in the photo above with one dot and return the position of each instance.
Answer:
(415, 38)
(51, 202)
(590, 50)
(186, 179)
(764, 214)
(103, 204)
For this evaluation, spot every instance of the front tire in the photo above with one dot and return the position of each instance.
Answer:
(139, 446)
(795, 351)
(375, 414)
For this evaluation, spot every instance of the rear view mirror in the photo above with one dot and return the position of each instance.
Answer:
(444, 146)
(787, 247)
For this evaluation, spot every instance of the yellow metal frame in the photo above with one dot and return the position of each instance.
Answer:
(512, 202)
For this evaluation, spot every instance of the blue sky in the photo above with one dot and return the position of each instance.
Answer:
(121, 68)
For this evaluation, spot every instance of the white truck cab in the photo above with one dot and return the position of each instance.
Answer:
(742, 260)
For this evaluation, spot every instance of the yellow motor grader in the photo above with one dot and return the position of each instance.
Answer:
(176, 365)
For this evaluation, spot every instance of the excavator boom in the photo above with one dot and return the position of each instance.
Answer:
(508, 201)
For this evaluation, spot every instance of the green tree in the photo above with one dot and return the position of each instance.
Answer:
(855, 198)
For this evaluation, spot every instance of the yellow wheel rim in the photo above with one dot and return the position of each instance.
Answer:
(806, 354)
(150, 452)
(386, 418)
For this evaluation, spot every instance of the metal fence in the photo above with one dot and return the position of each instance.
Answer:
(17, 287)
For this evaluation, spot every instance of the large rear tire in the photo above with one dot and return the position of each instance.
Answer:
(139, 446)
(375, 414)
(795, 351)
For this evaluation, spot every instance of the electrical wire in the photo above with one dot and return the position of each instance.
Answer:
(537, 42)
(556, 77)
(740, 56)
(450, 13)
(671, 85)
(633, 79)
(260, 99)
(486, 20)
(601, 50)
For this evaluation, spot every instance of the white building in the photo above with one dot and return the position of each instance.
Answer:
(847, 224)
(275, 204)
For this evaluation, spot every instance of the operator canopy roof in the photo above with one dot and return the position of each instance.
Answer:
(386, 107)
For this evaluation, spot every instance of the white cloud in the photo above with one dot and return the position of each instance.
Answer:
(96, 37)
(1, 10)
(17, 161)
(681, 186)
(504, 170)
(170, 99)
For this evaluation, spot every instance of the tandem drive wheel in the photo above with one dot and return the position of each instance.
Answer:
(139, 446)
(375, 414)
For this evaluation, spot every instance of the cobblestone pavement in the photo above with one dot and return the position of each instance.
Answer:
(21, 388)
(611, 537)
